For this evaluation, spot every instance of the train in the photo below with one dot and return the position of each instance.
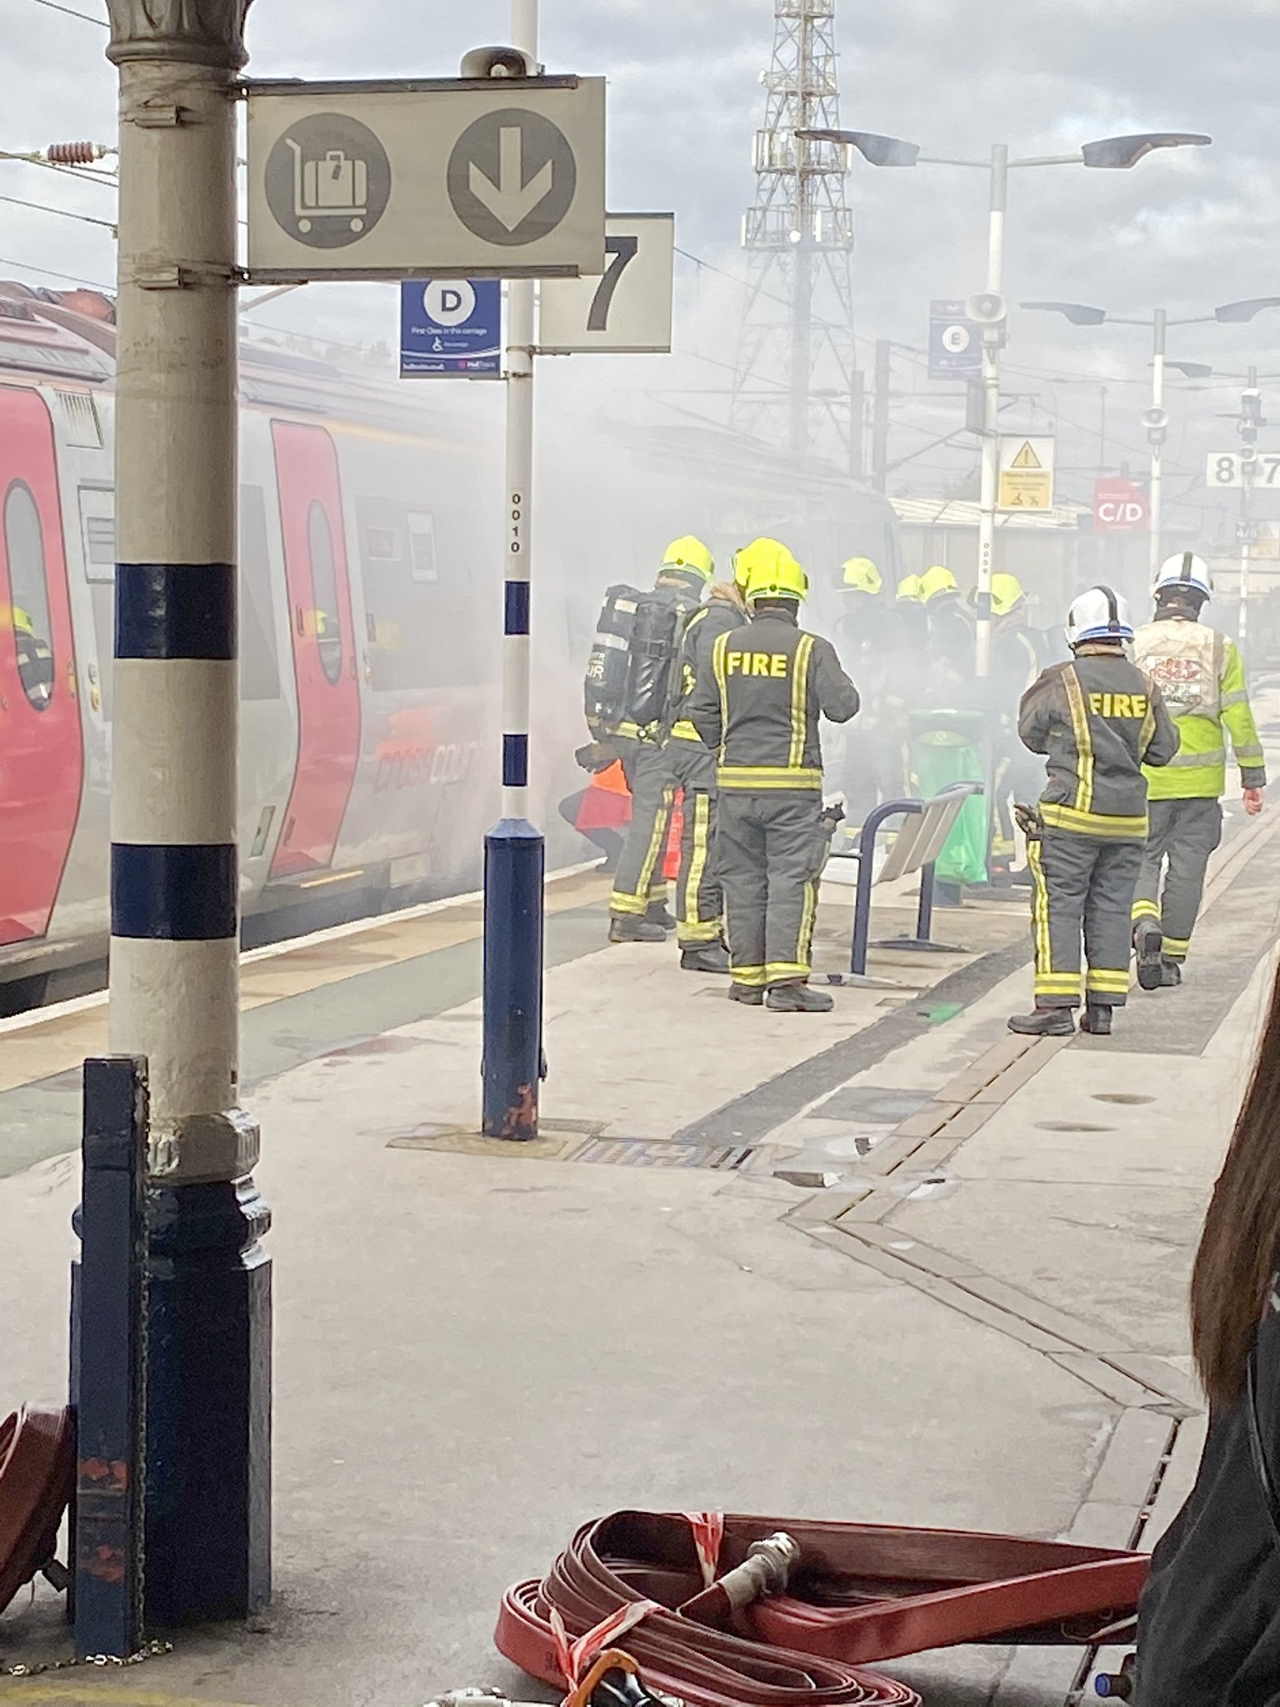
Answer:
(370, 576)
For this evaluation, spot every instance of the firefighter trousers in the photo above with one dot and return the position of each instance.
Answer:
(638, 879)
(1082, 886)
(1183, 834)
(691, 767)
(770, 849)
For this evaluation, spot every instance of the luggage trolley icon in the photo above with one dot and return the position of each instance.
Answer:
(334, 187)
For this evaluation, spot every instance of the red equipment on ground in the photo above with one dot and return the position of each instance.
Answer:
(656, 1583)
(37, 1468)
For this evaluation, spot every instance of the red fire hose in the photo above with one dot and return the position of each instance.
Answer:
(37, 1466)
(656, 1583)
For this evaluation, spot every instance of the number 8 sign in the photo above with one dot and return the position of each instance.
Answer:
(1227, 468)
(627, 310)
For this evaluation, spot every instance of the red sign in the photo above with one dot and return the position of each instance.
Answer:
(1119, 506)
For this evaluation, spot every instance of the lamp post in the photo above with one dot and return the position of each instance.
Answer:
(1156, 418)
(1110, 153)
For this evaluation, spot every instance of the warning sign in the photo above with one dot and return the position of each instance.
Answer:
(1026, 473)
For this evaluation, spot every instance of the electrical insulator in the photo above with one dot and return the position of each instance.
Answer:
(74, 153)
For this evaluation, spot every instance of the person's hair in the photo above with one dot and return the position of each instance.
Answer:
(1174, 597)
(788, 604)
(1240, 1244)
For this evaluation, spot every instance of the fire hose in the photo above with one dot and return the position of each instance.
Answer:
(37, 1468)
(737, 1611)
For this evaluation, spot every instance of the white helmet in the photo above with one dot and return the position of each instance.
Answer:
(1099, 614)
(1187, 571)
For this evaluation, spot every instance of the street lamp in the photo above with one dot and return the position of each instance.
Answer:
(1110, 153)
(1156, 418)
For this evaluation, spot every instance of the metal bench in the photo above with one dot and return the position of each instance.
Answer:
(916, 847)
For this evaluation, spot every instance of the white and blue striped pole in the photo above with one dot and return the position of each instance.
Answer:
(514, 853)
(174, 857)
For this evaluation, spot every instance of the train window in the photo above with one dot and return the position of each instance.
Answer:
(324, 622)
(259, 663)
(422, 628)
(28, 594)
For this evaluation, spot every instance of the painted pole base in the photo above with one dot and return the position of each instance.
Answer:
(208, 1470)
(511, 1068)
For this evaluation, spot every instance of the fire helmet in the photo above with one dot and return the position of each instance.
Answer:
(1099, 614)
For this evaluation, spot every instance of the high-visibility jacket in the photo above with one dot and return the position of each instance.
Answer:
(759, 702)
(1201, 675)
(722, 613)
(1099, 720)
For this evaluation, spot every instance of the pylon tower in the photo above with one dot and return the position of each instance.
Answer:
(794, 379)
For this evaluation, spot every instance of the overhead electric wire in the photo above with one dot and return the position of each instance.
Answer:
(66, 213)
(52, 273)
(86, 17)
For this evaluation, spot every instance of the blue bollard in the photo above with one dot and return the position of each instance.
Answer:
(514, 859)
(108, 1374)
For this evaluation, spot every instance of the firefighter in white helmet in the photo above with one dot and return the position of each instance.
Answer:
(1201, 675)
(1098, 719)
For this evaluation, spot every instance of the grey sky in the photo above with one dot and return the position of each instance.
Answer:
(1187, 230)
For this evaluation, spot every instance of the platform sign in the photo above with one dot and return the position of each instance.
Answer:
(1026, 473)
(955, 342)
(451, 327)
(446, 178)
(1119, 505)
(1226, 468)
(627, 311)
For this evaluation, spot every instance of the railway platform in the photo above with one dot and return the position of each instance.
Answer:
(886, 1264)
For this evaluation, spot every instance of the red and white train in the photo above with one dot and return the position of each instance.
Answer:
(370, 619)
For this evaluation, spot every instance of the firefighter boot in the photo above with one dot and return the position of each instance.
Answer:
(704, 957)
(660, 914)
(1044, 1022)
(1170, 974)
(798, 999)
(1097, 1020)
(1148, 942)
(635, 930)
(749, 994)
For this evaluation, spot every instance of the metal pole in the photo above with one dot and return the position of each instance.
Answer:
(991, 408)
(174, 857)
(514, 852)
(1248, 470)
(1160, 325)
(802, 281)
(880, 417)
(857, 409)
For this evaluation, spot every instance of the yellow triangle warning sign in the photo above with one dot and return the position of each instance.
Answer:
(1026, 457)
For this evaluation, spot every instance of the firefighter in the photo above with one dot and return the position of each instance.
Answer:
(638, 904)
(1098, 719)
(951, 640)
(1201, 675)
(35, 658)
(691, 767)
(867, 763)
(758, 703)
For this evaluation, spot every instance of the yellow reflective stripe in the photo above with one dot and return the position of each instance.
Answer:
(1084, 741)
(698, 863)
(1094, 823)
(1109, 983)
(761, 777)
(718, 670)
(808, 917)
(752, 976)
(1147, 731)
(683, 730)
(620, 903)
(779, 969)
(688, 933)
(1176, 946)
(1039, 908)
(1145, 910)
(638, 901)
(799, 699)
(632, 730)
(1068, 984)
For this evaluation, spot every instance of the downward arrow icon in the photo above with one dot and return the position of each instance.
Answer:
(511, 200)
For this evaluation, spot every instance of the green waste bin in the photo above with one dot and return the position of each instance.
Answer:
(946, 747)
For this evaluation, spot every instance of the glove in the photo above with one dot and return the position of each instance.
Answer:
(1253, 801)
(596, 756)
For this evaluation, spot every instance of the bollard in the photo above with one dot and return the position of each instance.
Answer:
(108, 1381)
(512, 1059)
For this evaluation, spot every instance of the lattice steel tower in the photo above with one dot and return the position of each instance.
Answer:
(798, 233)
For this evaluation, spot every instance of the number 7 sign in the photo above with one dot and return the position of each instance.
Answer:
(627, 310)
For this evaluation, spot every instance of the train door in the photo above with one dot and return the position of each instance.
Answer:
(324, 651)
(41, 743)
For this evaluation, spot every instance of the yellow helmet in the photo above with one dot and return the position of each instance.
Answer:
(937, 580)
(766, 569)
(20, 619)
(689, 554)
(1006, 594)
(909, 588)
(861, 574)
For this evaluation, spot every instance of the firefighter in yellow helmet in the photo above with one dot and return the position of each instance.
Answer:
(757, 703)
(864, 762)
(638, 734)
(34, 656)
